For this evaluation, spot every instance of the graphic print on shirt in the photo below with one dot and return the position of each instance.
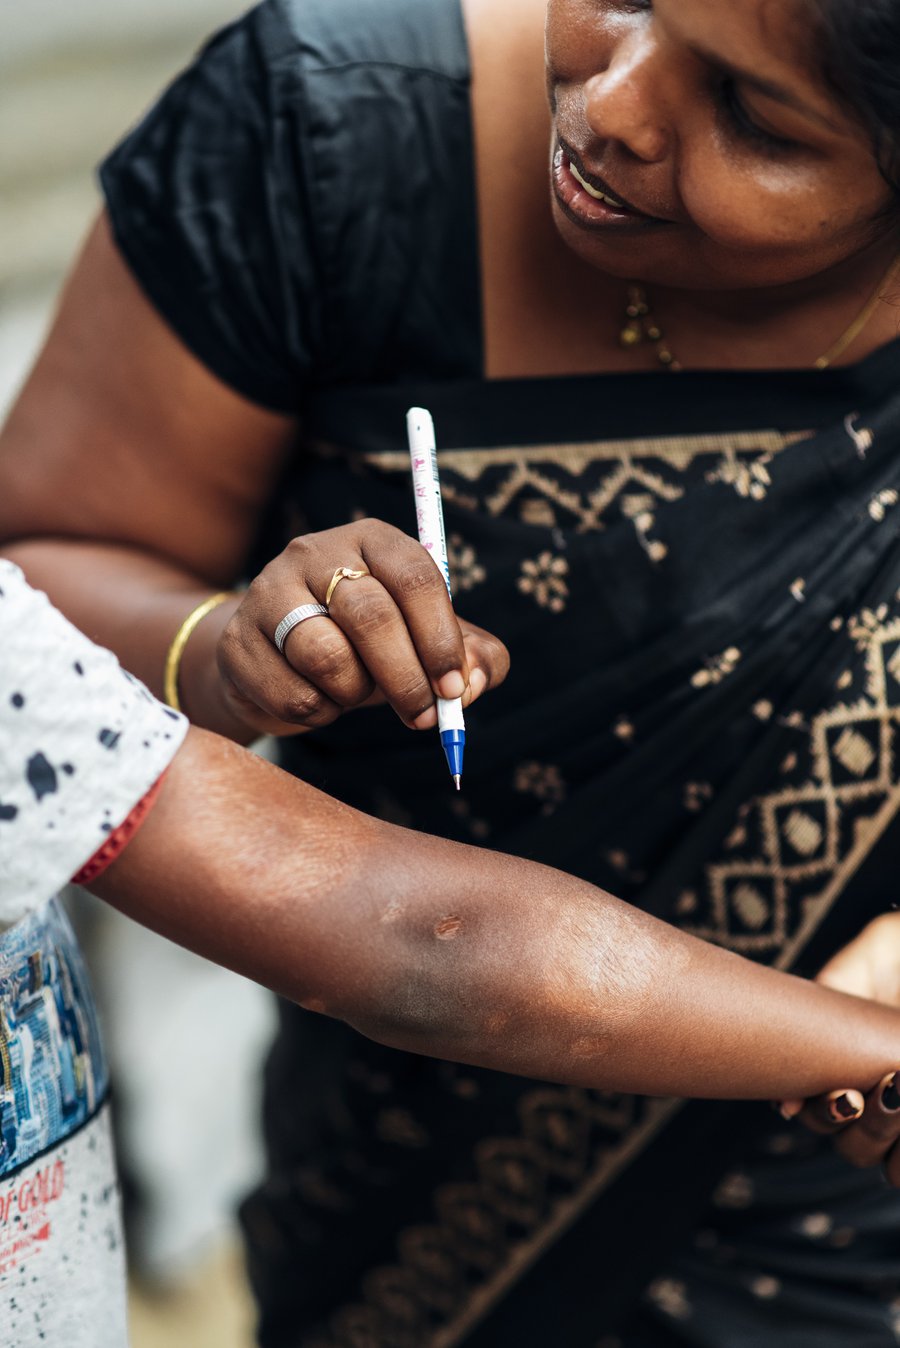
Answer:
(53, 1076)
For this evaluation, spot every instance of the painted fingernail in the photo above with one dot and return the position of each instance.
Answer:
(452, 684)
(844, 1107)
(890, 1096)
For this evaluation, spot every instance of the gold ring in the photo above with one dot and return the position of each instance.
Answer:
(342, 573)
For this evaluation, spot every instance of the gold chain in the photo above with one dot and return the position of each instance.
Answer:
(640, 325)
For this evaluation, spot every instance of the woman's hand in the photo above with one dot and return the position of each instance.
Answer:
(390, 635)
(866, 1127)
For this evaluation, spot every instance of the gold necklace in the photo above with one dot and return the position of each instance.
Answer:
(640, 325)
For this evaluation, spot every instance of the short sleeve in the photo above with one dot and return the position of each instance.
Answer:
(208, 203)
(299, 205)
(82, 743)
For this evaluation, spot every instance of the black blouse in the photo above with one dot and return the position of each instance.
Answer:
(300, 205)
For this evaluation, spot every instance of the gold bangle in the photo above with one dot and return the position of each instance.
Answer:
(180, 640)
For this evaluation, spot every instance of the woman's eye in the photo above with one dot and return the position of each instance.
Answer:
(741, 121)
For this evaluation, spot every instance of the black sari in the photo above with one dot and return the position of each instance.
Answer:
(699, 588)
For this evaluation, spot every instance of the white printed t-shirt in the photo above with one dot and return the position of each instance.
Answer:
(81, 742)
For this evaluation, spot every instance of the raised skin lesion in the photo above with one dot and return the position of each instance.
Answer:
(448, 927)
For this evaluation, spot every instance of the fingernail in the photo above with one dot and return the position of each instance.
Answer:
(843, 1107)
(890, 1096)
(426, 719)
(452, 684)
(477, 682)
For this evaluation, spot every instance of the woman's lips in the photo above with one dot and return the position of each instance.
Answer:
(595, 191)
(589, 201)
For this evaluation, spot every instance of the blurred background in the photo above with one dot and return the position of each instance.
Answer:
(186, 1040)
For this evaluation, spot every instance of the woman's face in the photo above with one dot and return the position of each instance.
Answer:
(707, 118)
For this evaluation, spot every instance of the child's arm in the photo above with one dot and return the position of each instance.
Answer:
(463, 953)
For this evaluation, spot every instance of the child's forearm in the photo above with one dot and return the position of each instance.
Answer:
(467, 954)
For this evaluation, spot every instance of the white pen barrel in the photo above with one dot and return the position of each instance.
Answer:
(427, 487)
(430, 525)
(450, 714)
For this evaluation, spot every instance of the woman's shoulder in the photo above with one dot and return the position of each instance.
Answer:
(439, 36)
(343, 34)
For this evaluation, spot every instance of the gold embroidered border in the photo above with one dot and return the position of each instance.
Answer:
(678, 451)
(564, 1216)
(637, 473)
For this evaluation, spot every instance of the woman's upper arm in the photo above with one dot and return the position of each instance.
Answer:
(121, 434)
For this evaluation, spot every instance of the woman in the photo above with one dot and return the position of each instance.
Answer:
(342, 210)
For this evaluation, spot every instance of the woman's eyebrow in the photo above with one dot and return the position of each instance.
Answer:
(769, 89)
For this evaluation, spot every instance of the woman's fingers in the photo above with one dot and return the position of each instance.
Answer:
(870, 1140)
(320, 652)
(266, 693)
(831, 1113)
(390, 634)
(487, 659)
(866, 1129)
(415, 583)
(380, 634)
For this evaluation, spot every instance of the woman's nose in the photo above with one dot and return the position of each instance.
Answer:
(627, 101)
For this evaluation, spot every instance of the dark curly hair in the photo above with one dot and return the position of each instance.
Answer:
(860, 54)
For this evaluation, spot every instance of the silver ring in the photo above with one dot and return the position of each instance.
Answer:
(297, 615)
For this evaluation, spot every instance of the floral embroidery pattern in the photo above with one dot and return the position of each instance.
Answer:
(696, 795)
(465, 571)
(881, 502)
(542, 780)
(638, 509)
(544, 580)
(717, 668)
(750, 479)
(670, 1295)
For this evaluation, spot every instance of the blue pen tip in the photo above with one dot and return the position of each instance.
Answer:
(454, 742)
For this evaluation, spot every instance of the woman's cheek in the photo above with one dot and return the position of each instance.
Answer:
(758, 209)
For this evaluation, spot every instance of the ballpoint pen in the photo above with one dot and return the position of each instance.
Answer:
(430, 524)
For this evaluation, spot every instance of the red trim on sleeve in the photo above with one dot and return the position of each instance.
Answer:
(120, 837)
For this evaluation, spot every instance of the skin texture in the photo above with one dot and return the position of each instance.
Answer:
(449, 950)
(763, 251)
